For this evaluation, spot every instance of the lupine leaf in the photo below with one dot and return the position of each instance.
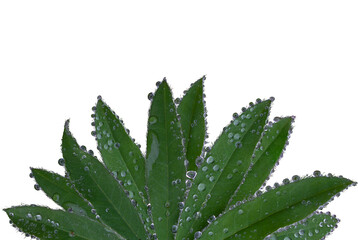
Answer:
(266, 156)
(46, 223)
(223, 169)
(122, 156)
(61, 191)
(315, 227)
(97, 185)
(129, 197)
(276, 208)
(165, 170)
(192, 119)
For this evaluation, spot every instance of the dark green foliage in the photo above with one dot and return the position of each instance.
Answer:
(176, 191)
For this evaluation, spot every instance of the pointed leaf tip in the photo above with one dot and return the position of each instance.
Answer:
(192, 118)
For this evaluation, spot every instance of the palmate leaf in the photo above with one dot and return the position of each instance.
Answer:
(276, 208)
(97, 185)
(223, 169)
(46, 223)
(315, 227)
(165, 170)
(122, 157)
(132, 197)
(62, 191)
(265, 157)
(191, 110)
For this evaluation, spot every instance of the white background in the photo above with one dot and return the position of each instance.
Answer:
(57, 56)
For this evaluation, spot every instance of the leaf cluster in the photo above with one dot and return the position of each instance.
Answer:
(181, 188)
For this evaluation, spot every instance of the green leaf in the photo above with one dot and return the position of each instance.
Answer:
(276, 208)
(122, 156)
(46, 223)
(97, 185)
(223, 169)
(62, 191)
(192, 119)
(315, 227)
(266, 156)
(165, 170)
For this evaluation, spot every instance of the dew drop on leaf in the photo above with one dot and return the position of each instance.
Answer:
(152, 120)
(56, 197)
(61, 162)
(201, 187)
(210, 160)
(191, 174)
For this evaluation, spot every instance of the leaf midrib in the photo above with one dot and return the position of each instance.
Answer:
(166, 153)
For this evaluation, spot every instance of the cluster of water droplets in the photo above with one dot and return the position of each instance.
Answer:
(299, 230)
(241, 211)
(212, 167)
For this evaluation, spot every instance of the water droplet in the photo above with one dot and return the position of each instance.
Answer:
(123, 174)
(211, 219)
(86, 168)
(150, 96)
(236, 136)
(152, 119)
(295, 178)
(38, 217)
(197, 234)
(71, 234)
(241, 211)
(61, 162)
(56, 197)
(216, 168)
(191, 174)
(201, 187)
(316, 173)
(210, 160)
(238, 144)
(286, 181)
